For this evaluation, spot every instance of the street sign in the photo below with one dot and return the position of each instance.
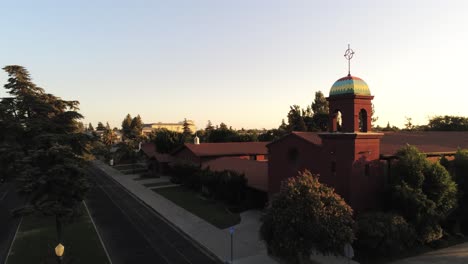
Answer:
(231, 230)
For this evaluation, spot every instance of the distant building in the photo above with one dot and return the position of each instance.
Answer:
(176, 127)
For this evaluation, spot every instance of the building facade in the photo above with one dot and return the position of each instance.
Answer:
(176, 127)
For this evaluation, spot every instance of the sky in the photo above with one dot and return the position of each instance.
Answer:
(240, 62)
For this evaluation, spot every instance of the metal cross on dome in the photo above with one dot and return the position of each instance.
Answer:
(349, 55)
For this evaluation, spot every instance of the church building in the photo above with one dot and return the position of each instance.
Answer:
(346, 156)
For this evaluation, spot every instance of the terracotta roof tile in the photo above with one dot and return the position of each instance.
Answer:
(150, 151)
(256, 172)
(227, 148)
(312, 137)
(429, 141)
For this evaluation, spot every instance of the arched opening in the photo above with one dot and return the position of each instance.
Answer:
(339, 121)
(293, 156)
(363, 120)
(336, 121)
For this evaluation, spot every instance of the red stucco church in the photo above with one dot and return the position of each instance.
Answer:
(346, 157)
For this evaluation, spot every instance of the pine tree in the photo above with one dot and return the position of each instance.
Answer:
(100, 127)
(136, 127)
(90, 127)
(127, 126)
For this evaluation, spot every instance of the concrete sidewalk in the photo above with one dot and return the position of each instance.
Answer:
(457, 254)
(248, 249)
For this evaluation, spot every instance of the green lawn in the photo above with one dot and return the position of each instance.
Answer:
(213, 212)
(36, 240)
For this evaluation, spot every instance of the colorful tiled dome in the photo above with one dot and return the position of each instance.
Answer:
(350, 85)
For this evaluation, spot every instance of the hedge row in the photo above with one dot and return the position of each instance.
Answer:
(226, 185)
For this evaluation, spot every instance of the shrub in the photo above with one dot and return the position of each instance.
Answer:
(422, 192)
(306, 215)
(460, 166)
(383, 234)
(181, 172)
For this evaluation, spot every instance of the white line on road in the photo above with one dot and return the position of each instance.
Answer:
(4, 195)
(97, 232)
(13, 241)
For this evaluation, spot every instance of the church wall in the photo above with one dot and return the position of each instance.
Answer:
(283, 163)
(185, 155)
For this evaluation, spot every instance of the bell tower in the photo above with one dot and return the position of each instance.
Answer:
(351, 151)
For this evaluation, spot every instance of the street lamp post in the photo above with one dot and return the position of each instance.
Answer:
(59, 250)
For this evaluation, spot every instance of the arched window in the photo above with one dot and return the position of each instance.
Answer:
(337, 121)
(293, 155)
(363, 120)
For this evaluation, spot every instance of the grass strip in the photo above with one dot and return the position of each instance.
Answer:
(37, 238)
(211, 211)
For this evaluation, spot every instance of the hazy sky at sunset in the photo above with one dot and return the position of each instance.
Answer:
(241, 62)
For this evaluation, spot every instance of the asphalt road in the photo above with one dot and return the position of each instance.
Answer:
(9, 200)
(133, 232)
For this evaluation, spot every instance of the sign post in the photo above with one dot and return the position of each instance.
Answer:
(231, 232)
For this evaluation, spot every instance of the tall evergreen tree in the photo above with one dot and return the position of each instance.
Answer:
(136, 126)
(127, 126)
(100, 127)
(50, 172)
(90, 127)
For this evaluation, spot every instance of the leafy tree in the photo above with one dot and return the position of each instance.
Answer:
(100, 127)
(460, 167)
(306, 215)
(448, 123)
(222, 126)
(127, 127)
(409, 124)
(283, 126)
(320, 104)
(187, 132)
(383, 234)
(422, 192)
(209, 126)
(90, 127)
(222, 134)
(108, 137)
(271, 135)
(136, 127)
(295, 119)
(166, 141)
(374, 118)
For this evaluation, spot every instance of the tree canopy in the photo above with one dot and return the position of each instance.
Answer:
(422, 192)
(306, 215)
(46, 148)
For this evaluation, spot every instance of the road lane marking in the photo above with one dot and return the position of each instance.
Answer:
(99, 236)
(13, 241)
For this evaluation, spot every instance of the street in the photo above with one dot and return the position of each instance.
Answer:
(133, 232)
(9, 200)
